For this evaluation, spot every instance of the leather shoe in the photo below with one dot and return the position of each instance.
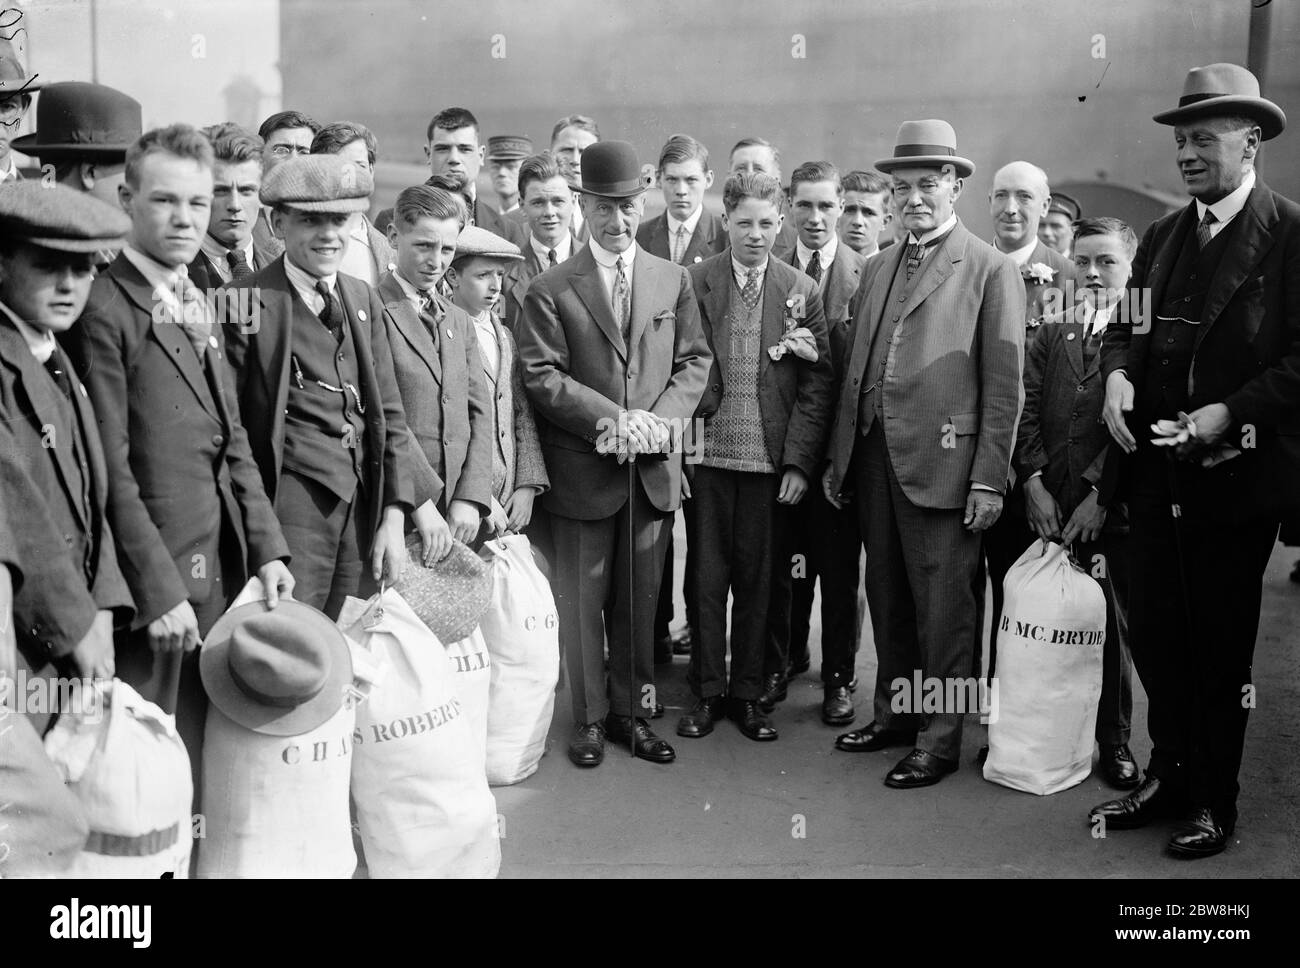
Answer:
(919, 768)
(798, 667)
(837, 706)
(1202, 834)
(1150, 801)
(588, 745)
(746, 714)
(872, 737)
(637, 736)
(1117, 766)
(774, 691)
(699, 721)
(682, 642)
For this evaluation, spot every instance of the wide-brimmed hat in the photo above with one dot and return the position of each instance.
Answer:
(281, 671)
(610, 169)
(925, 144)
(80, 119)
(450, 597)
(1224, 89)
(318, 183)
(14, 78)
(57, 217)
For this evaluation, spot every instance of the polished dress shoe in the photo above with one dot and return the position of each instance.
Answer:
(1150, 801)
(1202, 834)
(588, 745)
(746, 714)
(1117, 766)
(917, 769)
(873, 737)
(699, 721)
(636, 735)
(798, 667)
(774, 691)
(837, 706)
(682, 641)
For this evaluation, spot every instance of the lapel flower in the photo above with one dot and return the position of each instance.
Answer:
(1039, 272)
(795, 339)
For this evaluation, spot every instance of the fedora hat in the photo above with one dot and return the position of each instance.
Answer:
(1223, 89)
(281, 671)
(14, 78)
(450, 597)
(926, 144)
(80, 119)
(610, 169)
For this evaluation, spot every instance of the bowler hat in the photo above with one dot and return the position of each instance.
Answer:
(318, 183)
(508, 147)
(281, 672)
(57, 217)
(449, 597)
(1224, 89)
(476, 241)
(610, 169)
(77, 118)
(14, 79)
(927, 144)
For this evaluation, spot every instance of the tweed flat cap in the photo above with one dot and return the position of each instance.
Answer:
(57, 217)
(476, 241)
(318, 183)
(509, 147)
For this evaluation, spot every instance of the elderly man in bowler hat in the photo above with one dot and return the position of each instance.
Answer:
(612, 349)
(1203, 394)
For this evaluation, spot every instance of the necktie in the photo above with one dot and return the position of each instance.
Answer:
(679, 243)
(915, 253)
(550, 258)
(195, 320)
(814, 267)
(622, 301)
(331, 314)
(59, 372)
(1203, 235)
(750, 293)
(426, 300)
(239, 267)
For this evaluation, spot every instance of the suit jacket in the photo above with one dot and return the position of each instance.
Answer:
(842, 281)
(709, 238)
(177, 455)
(259, 358)
(518, 277)
(206, 276)
(517, 452)
(487, 217)
(579, 374)
(953, 401)
(1037, 305)
(794, 396)
(69, 559)
(1247, 347)
(445, 398)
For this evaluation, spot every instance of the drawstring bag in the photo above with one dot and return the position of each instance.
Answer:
(522, 634)
(1048, 685)
(126, 764)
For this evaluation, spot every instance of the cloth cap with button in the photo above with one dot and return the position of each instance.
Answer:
(610, 169)
(476, 241)
(926, 144)
(75, 119)
(1223, 90)
(281, 672)
(509, 147)
(57, 217)
(1063, 204)
(14, 79)
(318, 183)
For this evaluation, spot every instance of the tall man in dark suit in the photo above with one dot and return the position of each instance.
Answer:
(612, 351)
(826, 537)
(1214, 363)
(317, 391)
(547, 205)
(453, 147)
(229, 252)
(285, 135)
(923, 433)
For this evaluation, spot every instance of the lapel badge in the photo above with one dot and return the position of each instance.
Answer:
(1069, 336)
(212, 341)
(450, 334)
(361, 315)
(699, 258)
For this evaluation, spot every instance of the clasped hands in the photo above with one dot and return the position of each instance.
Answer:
(637, 432)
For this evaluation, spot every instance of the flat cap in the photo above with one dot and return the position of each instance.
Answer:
(476, 241)
(318, 183)
(509, 147)
(57, 217)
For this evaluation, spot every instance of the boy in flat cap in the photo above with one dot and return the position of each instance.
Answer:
(317, 391)
(436, 363)
(476, 277)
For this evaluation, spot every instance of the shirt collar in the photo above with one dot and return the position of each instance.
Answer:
(303, 280)
(413, 294)
(1021, 255)
(10, 170)
(562, 248)
(933, 234)
(691, 221)
(40, 343)
(741, 272)
(606, 259)
(217, 252)
(1228, 207)
(163, 279)
(827, 251)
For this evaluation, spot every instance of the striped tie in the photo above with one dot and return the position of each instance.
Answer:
(623, 302)
(1203, 234)
(915, 254)
(679, 244)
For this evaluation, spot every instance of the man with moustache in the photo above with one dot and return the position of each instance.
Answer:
(1203, 394)
(548, 212)
(229, 253)
(285, 135)
(923, 434)
(612, 351)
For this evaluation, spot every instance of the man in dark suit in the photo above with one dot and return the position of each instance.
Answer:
(1061, 451)
(547, 206)
(317, 391)
(867, 212)
(453, 147)
(1213, 361)
(765, 417)
(185, 502)
(612, 351)
(285, 135)
(923, 433)
(229, 251)
(826, 537)
(760, 155)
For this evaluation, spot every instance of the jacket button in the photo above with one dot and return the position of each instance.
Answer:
(446, 401)
(218, 440)
(67, 539)
(1164, 362)
(1080, 388)
(716, 387)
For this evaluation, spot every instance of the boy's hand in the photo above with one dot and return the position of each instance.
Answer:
(833, 498)
(93, 655)
(388, 555)
(463, 519)
(276, 581)
(520, 508)
(1086, 521)
(1040, 507)
(435, 536)
(794, 485)
(175, 631)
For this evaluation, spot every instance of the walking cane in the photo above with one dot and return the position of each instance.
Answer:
(631, 598)
(1198, 650)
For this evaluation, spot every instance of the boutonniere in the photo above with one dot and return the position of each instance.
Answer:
(1035, 322)
(666, 316)
(1038, 272)
(795, 339)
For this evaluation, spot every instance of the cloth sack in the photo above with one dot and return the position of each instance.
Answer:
(522, 634)
(423, 804)
(471, 666)
(125, 762)
(1043, 711)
